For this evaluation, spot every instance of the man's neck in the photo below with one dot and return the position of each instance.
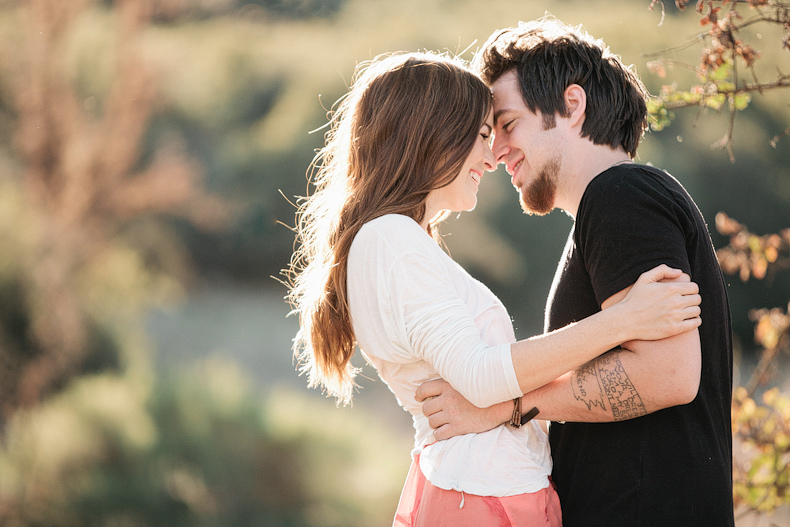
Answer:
(580, 166)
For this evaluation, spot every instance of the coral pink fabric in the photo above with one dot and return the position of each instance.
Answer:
(424, 505)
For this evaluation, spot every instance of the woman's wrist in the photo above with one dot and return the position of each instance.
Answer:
(619, 324)
(503, 412)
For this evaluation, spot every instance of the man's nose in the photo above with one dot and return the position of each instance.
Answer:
(499, 149)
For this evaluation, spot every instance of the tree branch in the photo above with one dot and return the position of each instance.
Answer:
(781, 82)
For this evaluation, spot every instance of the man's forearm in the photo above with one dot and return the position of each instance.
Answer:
(599, 391)
(620, 385)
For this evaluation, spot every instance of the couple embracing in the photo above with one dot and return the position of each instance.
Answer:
(636, 388)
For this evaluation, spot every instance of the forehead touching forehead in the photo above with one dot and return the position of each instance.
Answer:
(507, 95)
(549, 56)
(509, 101)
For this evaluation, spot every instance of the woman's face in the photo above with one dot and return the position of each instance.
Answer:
(461, 194)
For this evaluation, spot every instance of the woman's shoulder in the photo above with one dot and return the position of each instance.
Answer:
(395, 242)
(395, 230)
(393, 222)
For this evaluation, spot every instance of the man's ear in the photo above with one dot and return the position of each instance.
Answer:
(576, 104)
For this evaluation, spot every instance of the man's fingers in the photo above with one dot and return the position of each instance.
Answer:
(431, 406)
(429, 389)
(437, 420)
(443, 432)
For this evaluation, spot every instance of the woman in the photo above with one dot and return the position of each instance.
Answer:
(408, 144)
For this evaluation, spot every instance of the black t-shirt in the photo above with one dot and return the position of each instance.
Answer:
(672, 467)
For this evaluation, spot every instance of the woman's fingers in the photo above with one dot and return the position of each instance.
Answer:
(691, 300)
(444, 432)
(691, 323)
(657, 274)
(685, 288)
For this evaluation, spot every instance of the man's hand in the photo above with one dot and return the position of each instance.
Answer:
(449, 414)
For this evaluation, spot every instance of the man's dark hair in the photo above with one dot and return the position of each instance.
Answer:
(549, 56)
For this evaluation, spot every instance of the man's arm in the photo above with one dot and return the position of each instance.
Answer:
(621, 384)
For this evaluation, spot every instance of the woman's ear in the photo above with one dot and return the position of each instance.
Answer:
(576, 104)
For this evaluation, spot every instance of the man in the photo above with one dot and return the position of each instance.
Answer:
(639, 436)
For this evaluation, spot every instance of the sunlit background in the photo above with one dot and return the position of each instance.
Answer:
(150, 155)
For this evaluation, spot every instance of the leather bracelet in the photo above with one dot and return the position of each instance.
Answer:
(515, 418)
(529, 416)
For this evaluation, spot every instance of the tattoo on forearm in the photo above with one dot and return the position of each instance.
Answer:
(623, 397)
(606, 375)
(586, 387)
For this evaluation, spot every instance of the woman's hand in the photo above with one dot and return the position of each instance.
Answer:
(663, 302)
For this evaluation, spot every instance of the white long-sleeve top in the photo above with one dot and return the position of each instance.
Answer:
(418, 315)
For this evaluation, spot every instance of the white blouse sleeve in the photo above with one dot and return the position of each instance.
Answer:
(441, 331)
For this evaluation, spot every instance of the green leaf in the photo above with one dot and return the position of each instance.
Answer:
(742, 100)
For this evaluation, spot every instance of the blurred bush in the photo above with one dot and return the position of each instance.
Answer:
(197, 448)
(728, 49)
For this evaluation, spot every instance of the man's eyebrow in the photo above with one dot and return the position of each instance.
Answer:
(499, 113)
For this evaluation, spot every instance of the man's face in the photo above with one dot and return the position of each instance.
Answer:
(530, 152)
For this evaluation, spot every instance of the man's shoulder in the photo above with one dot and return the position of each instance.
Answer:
(628, 185)
(631, 175)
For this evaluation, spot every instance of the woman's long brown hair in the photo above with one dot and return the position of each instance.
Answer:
(405, 128)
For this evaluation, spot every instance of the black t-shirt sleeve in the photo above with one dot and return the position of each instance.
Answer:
(627, 224)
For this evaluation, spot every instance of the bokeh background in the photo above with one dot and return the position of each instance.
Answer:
(150, 155)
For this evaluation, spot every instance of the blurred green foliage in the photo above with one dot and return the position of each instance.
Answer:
(761, 431)
(195, 448)
(245, 91)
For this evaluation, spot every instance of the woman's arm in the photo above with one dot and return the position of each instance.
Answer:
(410, 294)
(616, 386)
(441, 331)
(620, 384)
(649, 310)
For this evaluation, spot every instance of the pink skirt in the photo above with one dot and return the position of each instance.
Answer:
(424, 505)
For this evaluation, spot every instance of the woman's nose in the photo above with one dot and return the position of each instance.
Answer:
(489, 159)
